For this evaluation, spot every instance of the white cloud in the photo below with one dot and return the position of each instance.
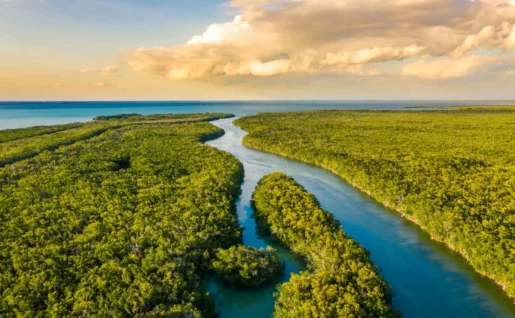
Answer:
(217, 33)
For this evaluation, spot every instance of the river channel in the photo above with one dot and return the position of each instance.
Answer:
(428, 279)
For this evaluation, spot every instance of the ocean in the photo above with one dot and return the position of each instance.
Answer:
(25, 114)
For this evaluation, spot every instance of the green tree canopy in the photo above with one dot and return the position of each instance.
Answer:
(342, 281)
(244, 266)
(452, 172)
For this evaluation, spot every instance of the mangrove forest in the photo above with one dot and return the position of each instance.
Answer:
(450, 171)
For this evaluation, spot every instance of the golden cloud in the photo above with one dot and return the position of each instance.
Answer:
(101, 84)
(275, 37)
(447, 68)
(111, 70)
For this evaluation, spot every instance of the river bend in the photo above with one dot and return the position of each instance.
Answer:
(428, 279)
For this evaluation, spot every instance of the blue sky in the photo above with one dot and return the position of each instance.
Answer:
(99, 24)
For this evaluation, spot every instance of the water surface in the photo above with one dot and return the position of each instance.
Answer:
(23, 114)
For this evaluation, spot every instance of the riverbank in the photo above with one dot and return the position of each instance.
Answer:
(428, 280)
(387, 205)
(417, 163)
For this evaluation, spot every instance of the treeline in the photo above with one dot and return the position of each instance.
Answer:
(119, 225)
(25, 143)
(451, 172)
(14, 134)
(25, 148)
(341, 280)
(118, 117)
(161, 117)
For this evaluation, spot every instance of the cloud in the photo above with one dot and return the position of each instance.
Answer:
(58, 85)
(450, 68)
(501, 36)
(375, 54)
(111, 70)
(510, 40)
(101, 84)
(217, 33)
(84, 70)
(278, 37)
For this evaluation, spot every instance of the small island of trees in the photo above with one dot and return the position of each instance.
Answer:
(341, 280)
(243, 266)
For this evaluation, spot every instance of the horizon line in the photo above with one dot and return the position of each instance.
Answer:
(256, 100)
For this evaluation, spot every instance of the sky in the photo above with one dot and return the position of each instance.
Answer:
(256, 49)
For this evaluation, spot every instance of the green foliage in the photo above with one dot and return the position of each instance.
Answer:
(118, 117)
(122, 224)
(342, 281)
(164, 117)
(244, 266)
(14, 134)
(452, 172)
(28, 142)
(25, 148)
(479, 108)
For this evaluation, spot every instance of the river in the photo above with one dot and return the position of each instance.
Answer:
(428, 279)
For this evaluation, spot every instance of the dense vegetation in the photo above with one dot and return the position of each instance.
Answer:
(19, 144)
(25, 148)
(118, 225)
(480, 108)
(164, 117)
(452, 172)
(342, 281)
(244, 266)
(14, 134)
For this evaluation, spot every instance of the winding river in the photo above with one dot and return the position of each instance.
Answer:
(428, 279)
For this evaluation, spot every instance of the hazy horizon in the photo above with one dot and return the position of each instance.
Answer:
(509, 101)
